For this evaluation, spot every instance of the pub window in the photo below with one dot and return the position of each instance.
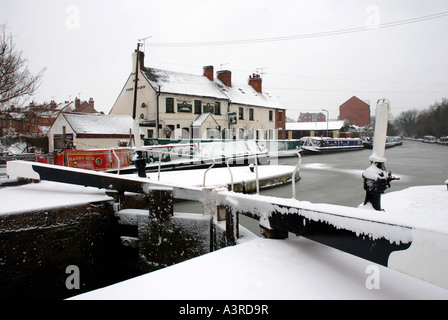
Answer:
(217, 108)
(271, 115)
(251, 114)
(169, 105)
(240, 114)
(197, 106)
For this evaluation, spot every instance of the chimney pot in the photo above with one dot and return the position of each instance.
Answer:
(255, 82)
(77, 103)
(208, 72)
(225, 76)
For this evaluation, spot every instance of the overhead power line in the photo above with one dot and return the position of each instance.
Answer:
(356, 90)
(301, 36)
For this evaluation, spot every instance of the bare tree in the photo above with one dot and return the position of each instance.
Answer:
(16, 81)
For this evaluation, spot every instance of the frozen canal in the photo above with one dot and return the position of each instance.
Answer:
(336, 178)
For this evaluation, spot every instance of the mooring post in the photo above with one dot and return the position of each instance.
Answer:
(376, 178)
(140, 164)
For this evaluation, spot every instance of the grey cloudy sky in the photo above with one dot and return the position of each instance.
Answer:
(86, 47)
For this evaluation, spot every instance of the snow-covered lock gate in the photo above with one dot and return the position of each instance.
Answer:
(415, 250)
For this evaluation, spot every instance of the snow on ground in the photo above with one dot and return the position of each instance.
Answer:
(46, 195)
(264, 269)
(425, 202)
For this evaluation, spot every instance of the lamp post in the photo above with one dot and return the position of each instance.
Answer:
(327, 119)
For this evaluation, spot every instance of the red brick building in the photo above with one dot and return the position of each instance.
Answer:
(36, 119)
(356, 111)
(311, 117)
(280, 122)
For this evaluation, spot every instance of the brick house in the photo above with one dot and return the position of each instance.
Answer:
(36, 119)
(311, 117)
(356, 111)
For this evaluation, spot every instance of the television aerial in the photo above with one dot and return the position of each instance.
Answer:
(143, 40)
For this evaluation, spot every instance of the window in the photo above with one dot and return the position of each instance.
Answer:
(169, 105)
(197, 106)
(217, 108)
(271, 115)
(240, 114)
(58, 141)
(251, 114)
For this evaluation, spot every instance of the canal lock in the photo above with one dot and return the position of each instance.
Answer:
(107, 242)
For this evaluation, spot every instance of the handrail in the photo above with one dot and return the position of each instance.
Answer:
(118, 159)
(256, 174)
(299, 163)
(160, 162)
(231, 175)
(205, 173)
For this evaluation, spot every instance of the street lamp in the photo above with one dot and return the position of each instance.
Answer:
(327, 119)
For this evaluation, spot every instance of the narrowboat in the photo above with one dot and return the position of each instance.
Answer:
(316, 145)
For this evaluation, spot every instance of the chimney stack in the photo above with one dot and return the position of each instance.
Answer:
(225, 76)
(92, 103)
(208, 72)
(255, 82)
(141, 60)
(77, 103)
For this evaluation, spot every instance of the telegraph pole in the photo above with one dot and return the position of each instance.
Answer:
(134, 109)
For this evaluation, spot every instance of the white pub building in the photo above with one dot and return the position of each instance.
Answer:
(185, 106)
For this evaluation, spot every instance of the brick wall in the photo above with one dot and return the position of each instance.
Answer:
(280, 120)
(356, 111)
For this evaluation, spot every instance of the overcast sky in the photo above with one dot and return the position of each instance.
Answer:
(314, 54)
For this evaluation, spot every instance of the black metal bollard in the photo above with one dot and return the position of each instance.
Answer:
(140, 164)
(376, 181)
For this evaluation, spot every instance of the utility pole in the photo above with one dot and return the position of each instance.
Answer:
(327, 119)
(134, 109)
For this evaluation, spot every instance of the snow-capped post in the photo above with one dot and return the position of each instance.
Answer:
(376, 178)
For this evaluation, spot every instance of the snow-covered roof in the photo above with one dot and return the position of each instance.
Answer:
(245, 94)
(200, 120)
(98, 123)
(182, 83)
(332, 125)
(199, 85)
